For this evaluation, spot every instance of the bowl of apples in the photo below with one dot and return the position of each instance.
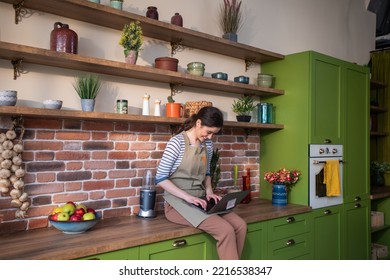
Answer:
(74, 218)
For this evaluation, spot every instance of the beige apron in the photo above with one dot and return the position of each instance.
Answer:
(189, 177)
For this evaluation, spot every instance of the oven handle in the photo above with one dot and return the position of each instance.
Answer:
(321, 161)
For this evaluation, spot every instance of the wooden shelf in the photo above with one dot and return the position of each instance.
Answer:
(378, 134)
(377, 85)
(103, 15)
(40, 56)
(19, 111)
(377, 109)
(376, 229)
(379, 192)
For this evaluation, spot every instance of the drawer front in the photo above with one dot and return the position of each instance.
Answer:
(294, 247)
(288, 226)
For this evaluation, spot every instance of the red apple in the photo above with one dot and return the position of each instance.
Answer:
(79, 211)
(75, 217)
(91, 210)
(54, 217)
(71, 202)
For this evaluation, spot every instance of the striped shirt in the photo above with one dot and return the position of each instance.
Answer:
(173, 156)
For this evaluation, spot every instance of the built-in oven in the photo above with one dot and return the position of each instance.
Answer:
(319, 155)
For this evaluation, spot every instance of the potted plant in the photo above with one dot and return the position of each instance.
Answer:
(230, 18)
(131, 40)
(215, 169)
(377, 172)
(243, 107)
(87, 87)
(173, 109)
(282, 181)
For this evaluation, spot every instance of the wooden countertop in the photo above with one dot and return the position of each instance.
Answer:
(119, 233)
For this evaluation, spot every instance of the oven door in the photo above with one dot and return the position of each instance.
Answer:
(317, 190)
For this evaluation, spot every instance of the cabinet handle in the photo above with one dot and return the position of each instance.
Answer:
(290, 242)
(327, 141)
(357, 198)
(327, 212)
(358, 205)
(179, 243)
(290, 219)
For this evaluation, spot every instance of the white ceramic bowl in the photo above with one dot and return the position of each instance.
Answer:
(8, 97)
(52, 104)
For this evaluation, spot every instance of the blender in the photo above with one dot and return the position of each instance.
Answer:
(147, 197)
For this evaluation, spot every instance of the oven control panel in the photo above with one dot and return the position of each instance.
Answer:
(325, 150)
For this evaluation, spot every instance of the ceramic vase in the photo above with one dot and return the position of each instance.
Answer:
(230, 36)
(116, 4)
(152, 12)
(279, 194)
(174, 110)
(88, 105)
(177, 19)
(132, 57)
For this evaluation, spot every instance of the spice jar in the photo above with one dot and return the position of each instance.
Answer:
(63, 39)
(152, 12)
(121, 106)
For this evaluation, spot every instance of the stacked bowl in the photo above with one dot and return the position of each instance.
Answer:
(8, 97)
(196, 68)
(264, 80)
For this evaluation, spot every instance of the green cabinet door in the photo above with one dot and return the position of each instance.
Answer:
(256, 242)
(194, 247)
(356, 149)
(123, 254)
(356, 223)
(327, 233)
(326, 100)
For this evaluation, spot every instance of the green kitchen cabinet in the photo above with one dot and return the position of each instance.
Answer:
(123, 254)
(357, 234)
(256, 242)
(327, 233)
(193, 247)
(326, 100)
(356, 147)
(290, 238)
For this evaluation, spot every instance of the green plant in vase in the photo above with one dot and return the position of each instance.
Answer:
(87, 87)
(244, 107)
(131, 40)
(230, 18)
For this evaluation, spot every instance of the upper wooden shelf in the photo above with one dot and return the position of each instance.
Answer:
(103, 66)
(20, 111)
(104, 15)
(377, 109)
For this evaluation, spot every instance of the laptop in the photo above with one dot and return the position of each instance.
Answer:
(225, 205)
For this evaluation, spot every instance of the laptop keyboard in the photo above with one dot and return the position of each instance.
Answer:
(210, 204)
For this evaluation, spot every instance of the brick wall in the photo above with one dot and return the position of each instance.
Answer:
(101, 164)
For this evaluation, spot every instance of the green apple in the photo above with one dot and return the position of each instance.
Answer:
(88, 216)
(68, 208)
(63, 216)
(82, 206)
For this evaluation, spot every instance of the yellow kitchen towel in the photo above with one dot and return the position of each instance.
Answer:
(332, 178)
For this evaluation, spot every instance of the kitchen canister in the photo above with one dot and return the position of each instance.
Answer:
(121, 106)
(146, 105)
(265, 112)
(63, 39)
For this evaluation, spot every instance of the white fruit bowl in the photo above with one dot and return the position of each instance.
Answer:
(75, 227)
(52, 104)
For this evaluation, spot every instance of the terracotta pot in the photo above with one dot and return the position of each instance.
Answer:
(166, 63)
(174, 110)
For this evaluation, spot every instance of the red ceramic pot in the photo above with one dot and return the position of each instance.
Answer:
(166, 63)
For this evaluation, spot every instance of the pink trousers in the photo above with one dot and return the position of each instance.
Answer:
(228, 229)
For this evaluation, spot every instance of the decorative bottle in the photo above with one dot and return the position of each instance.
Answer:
(177, 19)
(152, 12)
(145, 106)
(63, 39)
(157, 111)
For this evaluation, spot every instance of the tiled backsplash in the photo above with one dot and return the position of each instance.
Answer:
(102, 165)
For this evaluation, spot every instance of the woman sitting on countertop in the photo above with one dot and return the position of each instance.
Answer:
(184, 174)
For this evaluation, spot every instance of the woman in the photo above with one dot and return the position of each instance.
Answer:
(184, 174)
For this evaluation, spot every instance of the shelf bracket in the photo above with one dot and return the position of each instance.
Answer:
(17, 67)
(249, 63)
(177, 46)
(21, 11)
